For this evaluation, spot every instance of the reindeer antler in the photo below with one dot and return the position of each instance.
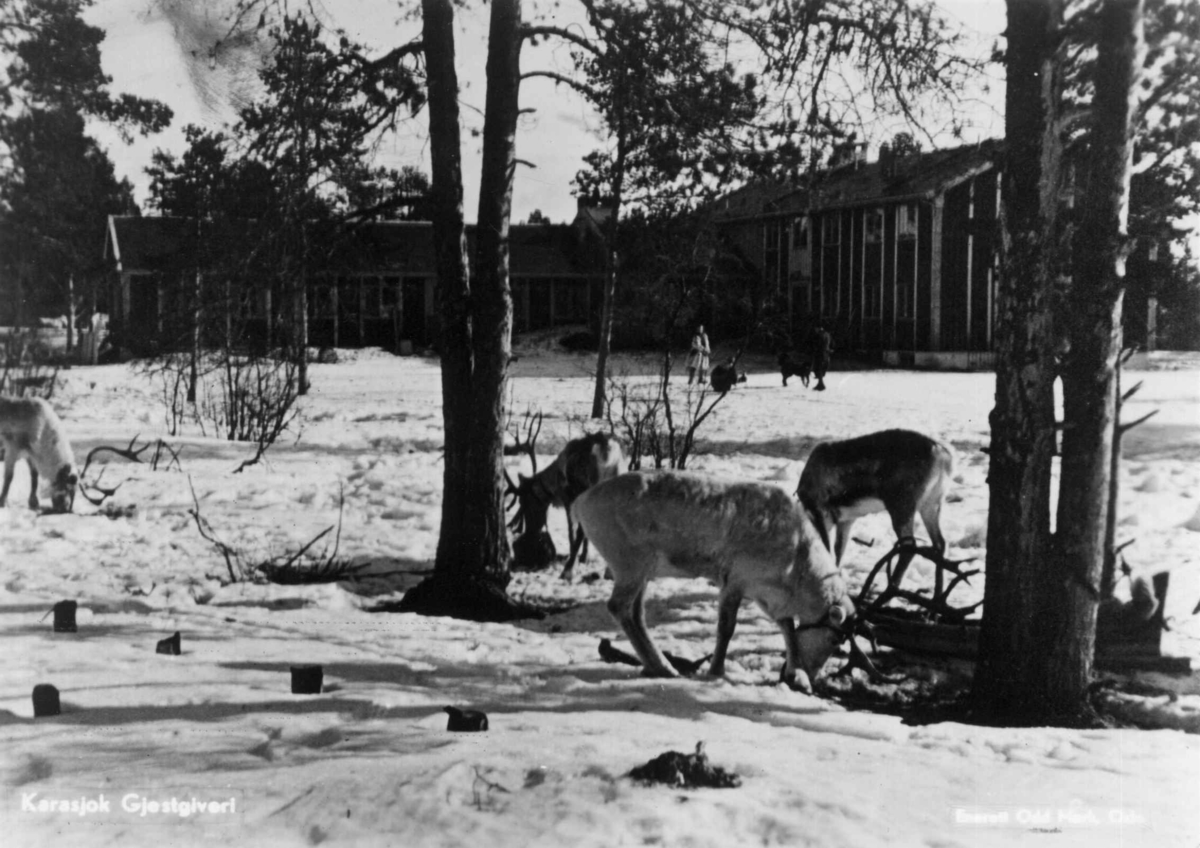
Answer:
(528, 445)
(105, 494)
(859, 626)
(128, 452)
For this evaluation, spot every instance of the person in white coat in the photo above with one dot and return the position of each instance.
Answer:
(697, 361)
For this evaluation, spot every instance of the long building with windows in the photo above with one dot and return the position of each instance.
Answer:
(897, 257)
(373, 284)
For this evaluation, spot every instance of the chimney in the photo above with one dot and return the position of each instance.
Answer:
(848, 153)
(887, 161)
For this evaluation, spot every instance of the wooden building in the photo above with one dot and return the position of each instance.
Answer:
(897, 257)
(373, 284)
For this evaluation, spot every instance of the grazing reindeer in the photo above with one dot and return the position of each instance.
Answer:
(794, 365)
(900, 471)
(30, 428)
(583, 463)
(749, 538)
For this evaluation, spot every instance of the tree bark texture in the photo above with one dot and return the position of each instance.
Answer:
(1014, 677)
(471, 570)
(1092, 322)
(611, 268)
(453, 289)
(493, 307)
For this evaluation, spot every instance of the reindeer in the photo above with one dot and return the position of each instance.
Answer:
(30, 429)
(900, 471)
(749, 538)
(582, 464)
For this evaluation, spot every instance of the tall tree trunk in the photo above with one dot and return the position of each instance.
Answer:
(1093, 326)
(194, 365)
(1014, 680)
(300, 326)
(471, 569)
(493, 307)
(70, 312)
(611, 258)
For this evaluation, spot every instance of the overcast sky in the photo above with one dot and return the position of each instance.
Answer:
(143, 55)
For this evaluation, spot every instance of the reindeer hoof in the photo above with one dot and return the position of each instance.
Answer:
(801, 684)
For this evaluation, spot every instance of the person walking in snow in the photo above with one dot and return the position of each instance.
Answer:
(822, 350)
(697, 361)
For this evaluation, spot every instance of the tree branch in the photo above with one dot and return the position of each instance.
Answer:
(583, 88)
(528, 32)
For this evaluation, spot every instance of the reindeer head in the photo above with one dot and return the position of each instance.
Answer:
(527, 494)
(840, 624)
(532, 502)
(819, 639)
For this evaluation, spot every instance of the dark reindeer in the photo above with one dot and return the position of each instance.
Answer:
(901, 472)
(583, 463)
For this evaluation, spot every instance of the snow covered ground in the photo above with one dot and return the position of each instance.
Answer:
(369, 761)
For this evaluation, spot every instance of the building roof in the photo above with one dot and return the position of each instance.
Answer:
(917, 176)
(155, 244)
(751, 200)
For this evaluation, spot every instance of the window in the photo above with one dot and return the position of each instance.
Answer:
(904, 298)
(874, 226)
(772, 236)
(800, 233)
(570, 300)
(831, 230)
(906, 221)
(391, 295)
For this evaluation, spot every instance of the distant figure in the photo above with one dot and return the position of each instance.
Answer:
(794, 364)
(697, 361)
(822, 349)
(725, 376)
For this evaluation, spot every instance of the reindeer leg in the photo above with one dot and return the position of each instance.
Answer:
(579, 547)
(866, 587)
(843, 539)
(791, 640)
(33, 485)
(625, 605)
(727, 613)
(574, 533)
(931, 511)
(10, 460)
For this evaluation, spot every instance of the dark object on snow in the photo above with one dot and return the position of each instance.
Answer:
(170, 646)
(466, 721)
(533, 551)
(685, 667)
(615, 655)
(64, 617)
(794, 365)
(725, 376)
(45, 701)
(307, 679)
(1119, 649)
(1138, 620)
(685, 771)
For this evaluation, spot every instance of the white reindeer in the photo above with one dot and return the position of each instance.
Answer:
(751, 539)
(30, 429)
(901, 471)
